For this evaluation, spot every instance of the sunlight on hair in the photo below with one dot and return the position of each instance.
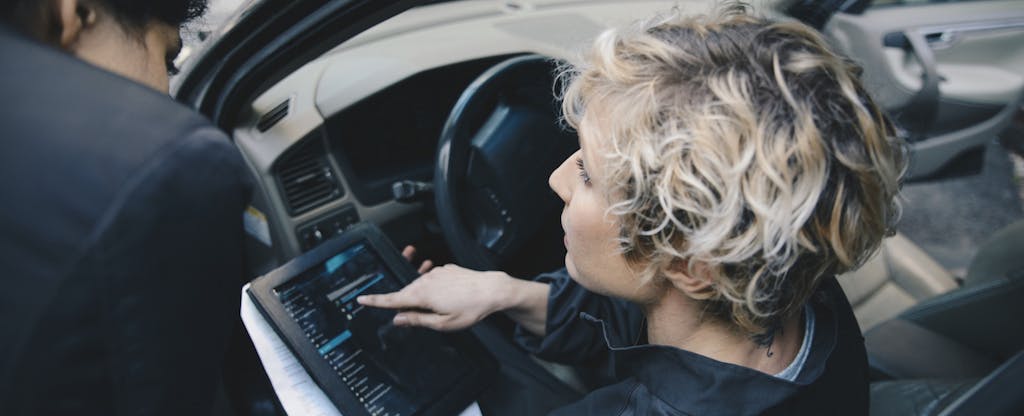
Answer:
(742, 144)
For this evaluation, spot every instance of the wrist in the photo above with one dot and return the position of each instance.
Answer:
(524, 301)
(516, 294)
(505, 295)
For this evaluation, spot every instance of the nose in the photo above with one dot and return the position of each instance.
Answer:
(560, 180)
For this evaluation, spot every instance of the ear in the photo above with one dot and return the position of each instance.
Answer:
(692, 278)
(72, 18)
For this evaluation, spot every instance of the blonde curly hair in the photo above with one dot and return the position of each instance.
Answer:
(744, 145)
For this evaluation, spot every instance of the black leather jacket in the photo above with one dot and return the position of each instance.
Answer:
(595, 331)
(120, 242)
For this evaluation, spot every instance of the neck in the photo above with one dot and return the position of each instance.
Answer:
(674, 320)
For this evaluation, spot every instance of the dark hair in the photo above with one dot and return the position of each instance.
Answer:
(133, 14)
(137, 13)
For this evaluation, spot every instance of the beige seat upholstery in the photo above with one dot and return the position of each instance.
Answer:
(899, 276)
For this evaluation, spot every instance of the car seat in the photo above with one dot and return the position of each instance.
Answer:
(998, 393)
(898, 277)
(919, 323)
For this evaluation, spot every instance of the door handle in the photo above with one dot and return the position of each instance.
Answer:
(920, 112)
(942, 39)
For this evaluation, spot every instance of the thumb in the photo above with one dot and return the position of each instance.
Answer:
(433, 321)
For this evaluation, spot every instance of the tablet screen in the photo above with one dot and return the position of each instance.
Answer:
(386, 367)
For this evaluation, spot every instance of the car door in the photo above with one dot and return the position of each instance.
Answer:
(266, 40)
(950, 72)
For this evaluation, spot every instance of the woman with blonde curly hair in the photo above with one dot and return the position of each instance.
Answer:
(729, 168)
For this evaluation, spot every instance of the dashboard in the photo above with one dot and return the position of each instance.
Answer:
(328, 141)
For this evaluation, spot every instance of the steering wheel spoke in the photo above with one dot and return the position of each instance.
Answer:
(497, 149)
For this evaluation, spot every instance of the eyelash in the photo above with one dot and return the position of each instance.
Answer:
(171, 69)
(583, 171)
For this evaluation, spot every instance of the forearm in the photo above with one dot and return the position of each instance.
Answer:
(526, 302)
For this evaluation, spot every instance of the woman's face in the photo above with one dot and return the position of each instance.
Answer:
(593, 256)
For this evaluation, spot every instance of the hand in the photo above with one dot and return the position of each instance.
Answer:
(447, 298)
(409, 252)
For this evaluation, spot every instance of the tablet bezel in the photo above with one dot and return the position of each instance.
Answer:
(267, 302)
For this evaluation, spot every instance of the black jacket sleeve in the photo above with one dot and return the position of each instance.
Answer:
(572, 337)
(168, 261)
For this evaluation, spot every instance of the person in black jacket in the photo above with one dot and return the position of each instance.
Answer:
(729, 168)
(121, 241)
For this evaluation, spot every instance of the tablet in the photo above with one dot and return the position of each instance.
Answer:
(364, 364)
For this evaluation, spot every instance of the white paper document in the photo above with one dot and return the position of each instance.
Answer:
(296, 390)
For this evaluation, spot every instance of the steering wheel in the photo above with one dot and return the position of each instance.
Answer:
(496, 151)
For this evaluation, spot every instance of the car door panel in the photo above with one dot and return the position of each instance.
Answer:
(952, 74)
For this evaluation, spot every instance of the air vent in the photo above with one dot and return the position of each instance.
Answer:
(273, 116)
(306, 178)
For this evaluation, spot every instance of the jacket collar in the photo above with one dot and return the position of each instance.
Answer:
(697, 384)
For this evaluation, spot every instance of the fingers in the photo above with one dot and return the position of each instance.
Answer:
(409, 252)
(426, 266)
(433, 321)
(396, 300)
